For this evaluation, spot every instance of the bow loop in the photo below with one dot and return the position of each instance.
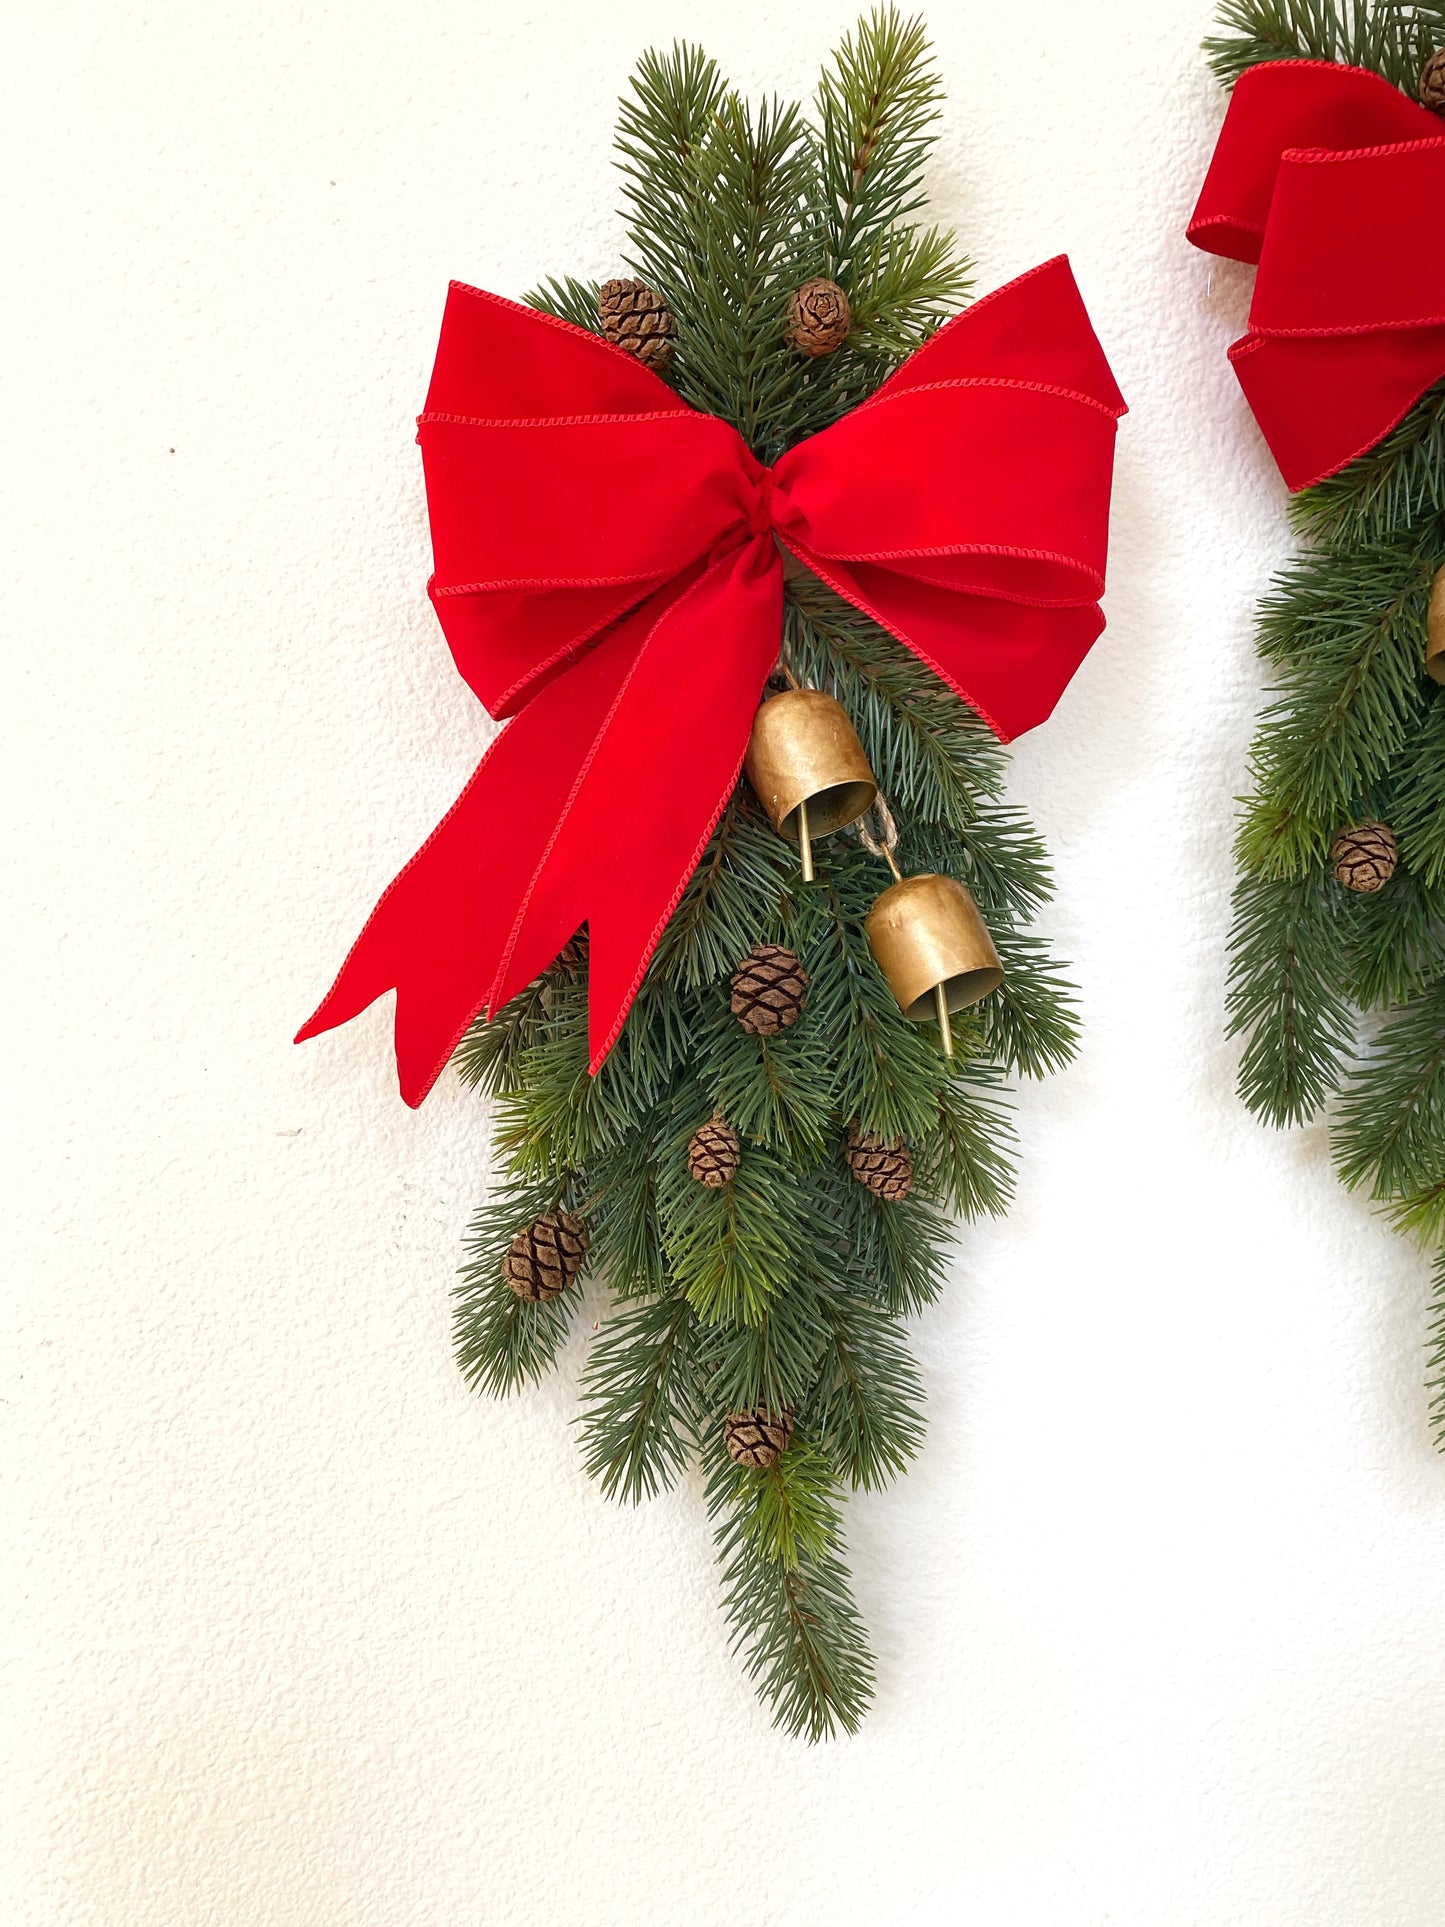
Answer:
(1328, 178)
(607, 576)
(565, 483)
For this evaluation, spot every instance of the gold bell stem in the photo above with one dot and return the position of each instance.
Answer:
(805, 841)
(940, 1004)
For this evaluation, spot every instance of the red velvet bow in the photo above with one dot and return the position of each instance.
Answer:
(1333, 182)
(608, 573)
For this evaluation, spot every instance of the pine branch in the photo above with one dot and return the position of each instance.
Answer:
(885, 1072)
(572, 300)
(897, 1250)
(1391, 1131)
(554, 1113)
(623, 1218)
(1397, 484)
(730, 1251)
(488, 1056)
(502, 1341)
(935, 758)
(1346, 626)
(795, 1626)
(1417, 815)
(770, 1365)
(1287, 965)
(1394, 37)
(1394, 939)
(878, 105)
(878, 109)
(1031, 1021)
(715, 196)
(790, 1511)
(868, 1402)
(1435, 1366)
(777, 1091)
(638, 1413)
(966, 1158)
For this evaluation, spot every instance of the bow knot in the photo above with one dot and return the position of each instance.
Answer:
(760, 521)
(603, 579)
(1332, 182)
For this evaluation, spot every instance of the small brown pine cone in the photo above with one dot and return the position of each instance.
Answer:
(819, 317)
(545, 1256)
(881, 1165)
(770, 990)
(1432, 83)
(573, 954)
(1365, 857)
(757, 1439)
(568, 962)
(637, 318)
(714, 1152)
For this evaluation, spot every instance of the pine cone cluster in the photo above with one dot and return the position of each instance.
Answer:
(545, 1256)
(769, 990)
(819, 317)
(637, 318)
(757, 1439)
(714, 1153)
(1432, 83)
(1365, 857)
(881, 1165)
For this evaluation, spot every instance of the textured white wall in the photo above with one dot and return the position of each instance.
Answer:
(300, 1632)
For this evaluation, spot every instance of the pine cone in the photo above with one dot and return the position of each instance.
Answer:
(819, 317)
(770, 990)
(757, 1439)
(568, 962)
(1432, 83)
(545, 1256)
(636, 318)
(881, 1165)
(1365, 857)
(714, 1152)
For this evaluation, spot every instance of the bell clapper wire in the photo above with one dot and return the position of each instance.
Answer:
(945, 1029)
(805, 841)
(884, 847)
(805, 835)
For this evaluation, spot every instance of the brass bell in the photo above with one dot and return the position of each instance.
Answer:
(807, 767)
(1435, 629)
(930, 942)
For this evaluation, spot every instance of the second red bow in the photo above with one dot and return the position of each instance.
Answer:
(608, 574)
(1333, 182)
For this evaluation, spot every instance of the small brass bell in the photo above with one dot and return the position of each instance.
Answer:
(807, 767)
(1435, 629)
(930, 942)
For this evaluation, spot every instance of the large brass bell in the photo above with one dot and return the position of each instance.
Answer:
(930, 942)
(807, 767)
(1435, 629)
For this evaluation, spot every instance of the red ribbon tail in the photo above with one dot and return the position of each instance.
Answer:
(441, 928)
(665, 762)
